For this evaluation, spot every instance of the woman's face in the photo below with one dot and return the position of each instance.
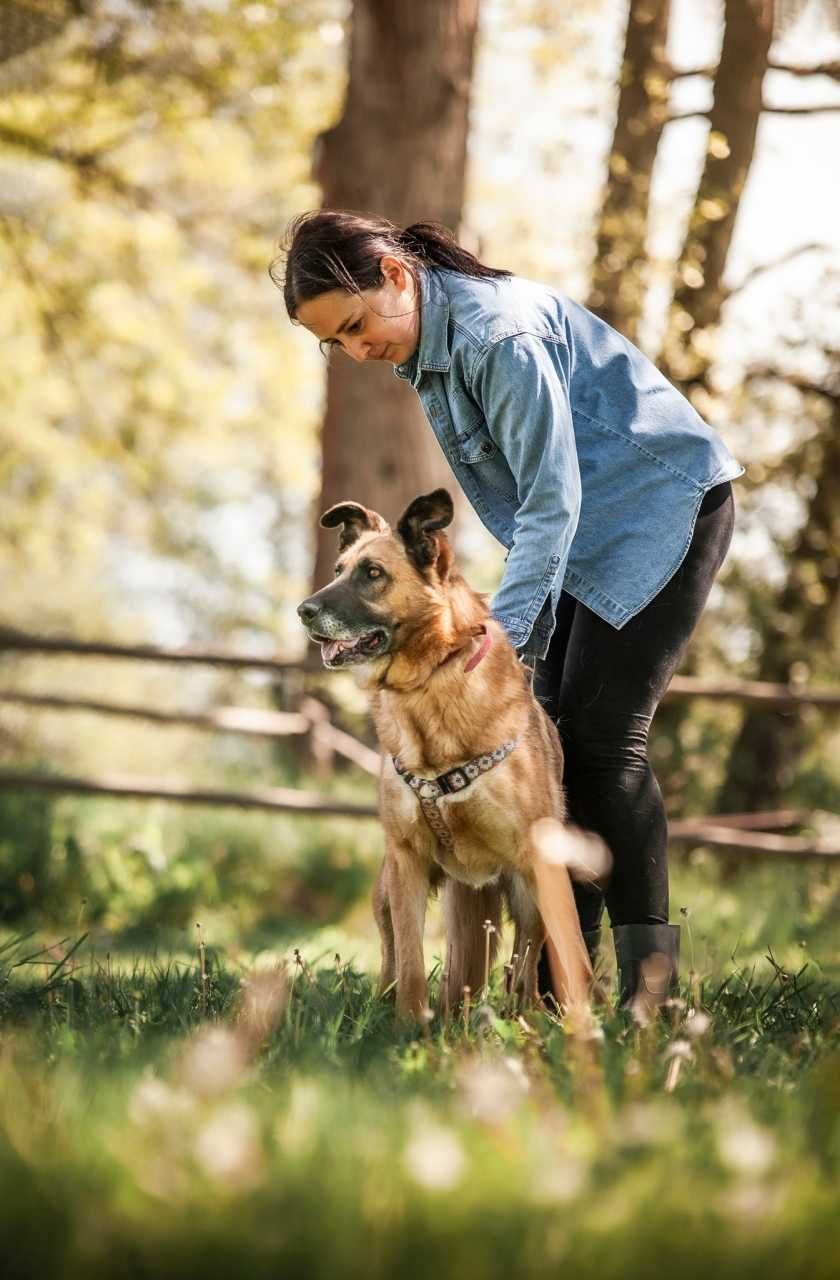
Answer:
(376, 324)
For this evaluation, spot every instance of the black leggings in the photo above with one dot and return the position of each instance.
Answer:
(602, 687)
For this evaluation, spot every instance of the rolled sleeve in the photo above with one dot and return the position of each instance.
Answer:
(522, 385)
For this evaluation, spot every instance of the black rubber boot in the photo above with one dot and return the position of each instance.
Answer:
(648, 960)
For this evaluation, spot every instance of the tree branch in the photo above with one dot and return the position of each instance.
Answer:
(685, 73)
(687, 115)
(766, 109)
(86, 163)
(775, 262)
(831, 69)
(760, 373)
(800, 111)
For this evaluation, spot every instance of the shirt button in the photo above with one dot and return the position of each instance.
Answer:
(487, 448)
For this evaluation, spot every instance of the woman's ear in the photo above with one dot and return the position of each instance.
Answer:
(394, 271)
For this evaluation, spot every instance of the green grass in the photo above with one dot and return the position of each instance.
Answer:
(151, 1126)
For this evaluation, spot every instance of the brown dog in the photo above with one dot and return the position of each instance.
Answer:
(471, 760)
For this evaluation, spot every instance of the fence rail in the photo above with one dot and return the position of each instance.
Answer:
(20, 641)
(757, 834)
(312, 718)
(732, 833)
(276, 799)
(751, 691)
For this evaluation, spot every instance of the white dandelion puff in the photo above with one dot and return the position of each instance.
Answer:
(434, 1158)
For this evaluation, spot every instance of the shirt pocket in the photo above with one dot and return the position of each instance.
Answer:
(475, 444)
(488, 465)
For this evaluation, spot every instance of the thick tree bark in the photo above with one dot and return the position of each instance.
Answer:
(804, 625)
(688, 350)
(399, 151)
(619, 271)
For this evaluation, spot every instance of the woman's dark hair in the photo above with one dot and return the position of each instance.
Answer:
(335, 249)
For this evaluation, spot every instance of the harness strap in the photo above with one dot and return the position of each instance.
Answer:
(430, 790)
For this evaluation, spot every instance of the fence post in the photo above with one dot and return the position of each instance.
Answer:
(318, 739)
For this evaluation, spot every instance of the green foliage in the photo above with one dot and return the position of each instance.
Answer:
(338, 1144)
(148, 872)
(25, 846)
(149, 161)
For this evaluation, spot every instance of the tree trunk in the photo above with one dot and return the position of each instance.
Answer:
(804, 625)
(399, 151)
(618, 275)
(688, 350)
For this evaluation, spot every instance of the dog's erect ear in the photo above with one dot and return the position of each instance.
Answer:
(356, 520)
(419, 523)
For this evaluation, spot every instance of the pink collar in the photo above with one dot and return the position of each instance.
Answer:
(482, 652)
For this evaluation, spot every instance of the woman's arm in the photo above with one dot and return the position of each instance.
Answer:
(522, 385)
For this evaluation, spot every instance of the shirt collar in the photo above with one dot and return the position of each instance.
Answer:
(433, 348)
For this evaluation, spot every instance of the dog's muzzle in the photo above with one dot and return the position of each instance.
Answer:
(342, 644)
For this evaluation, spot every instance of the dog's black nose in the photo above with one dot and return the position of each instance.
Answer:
(307, 611)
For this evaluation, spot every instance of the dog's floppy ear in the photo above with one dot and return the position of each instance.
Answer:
(356, 520)
(419, 523)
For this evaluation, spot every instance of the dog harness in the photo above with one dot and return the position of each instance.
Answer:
(430, 790)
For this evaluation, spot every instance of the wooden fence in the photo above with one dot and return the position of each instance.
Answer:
(756, 835)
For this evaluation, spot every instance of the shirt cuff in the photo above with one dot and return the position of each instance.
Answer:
(532, 641)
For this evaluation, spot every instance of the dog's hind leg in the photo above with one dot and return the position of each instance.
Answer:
(465, 911)
(528, 938)
(382, 914)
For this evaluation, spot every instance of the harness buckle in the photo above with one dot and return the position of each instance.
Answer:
(452, 781)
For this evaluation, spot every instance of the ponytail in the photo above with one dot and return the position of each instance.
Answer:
(331, 249)
(435, 246)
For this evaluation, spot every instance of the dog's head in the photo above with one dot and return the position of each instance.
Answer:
(385, 579)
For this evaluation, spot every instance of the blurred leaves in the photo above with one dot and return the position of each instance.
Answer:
(147, 376)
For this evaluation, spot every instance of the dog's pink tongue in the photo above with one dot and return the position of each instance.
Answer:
(330, 649)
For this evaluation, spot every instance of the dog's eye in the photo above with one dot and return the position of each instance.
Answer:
(337, 571)
(374, 571)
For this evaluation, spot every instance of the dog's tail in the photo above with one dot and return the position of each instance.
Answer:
(467, 912)
(560, 853)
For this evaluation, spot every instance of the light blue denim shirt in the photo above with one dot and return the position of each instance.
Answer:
(576, 453)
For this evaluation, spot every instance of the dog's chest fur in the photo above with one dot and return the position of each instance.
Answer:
(485, 828)
(453, 718)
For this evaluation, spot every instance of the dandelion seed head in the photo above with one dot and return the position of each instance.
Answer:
(154, 1101)
(227, 1146)
(563, 1179)
(213, 1061)
(745, 1147)
(434, 1158)
(697, 1023)
(491, 1090)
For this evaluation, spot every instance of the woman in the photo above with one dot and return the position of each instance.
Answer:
(612, 495)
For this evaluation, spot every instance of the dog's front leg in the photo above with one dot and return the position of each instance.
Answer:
(408, 889)
(382, 914)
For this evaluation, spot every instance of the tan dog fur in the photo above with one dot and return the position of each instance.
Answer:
(433, 715)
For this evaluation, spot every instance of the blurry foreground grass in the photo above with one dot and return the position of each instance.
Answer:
(167, 1110)
(155, 1121)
